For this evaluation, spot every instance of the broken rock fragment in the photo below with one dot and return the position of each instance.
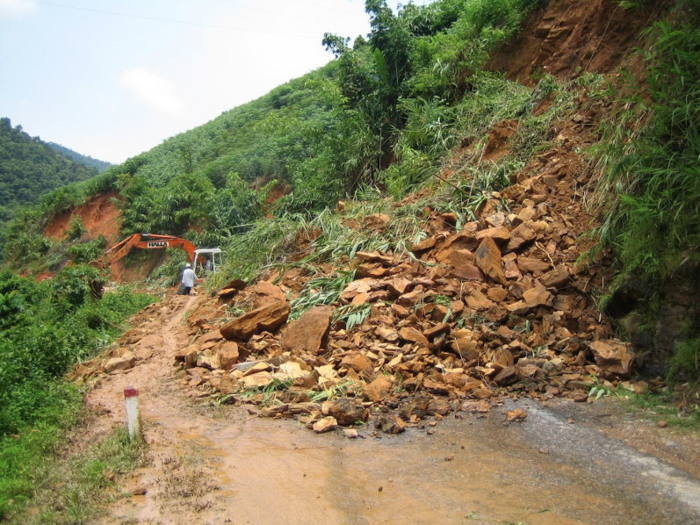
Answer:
(266, 318)
(488, 259)
(390, 424)
(326, 424)
(614, 357)
(378, 389)
(347, 412)
(310, 332)
(119, 364)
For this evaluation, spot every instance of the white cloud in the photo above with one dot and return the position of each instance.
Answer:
(152, 90)
(17, 8)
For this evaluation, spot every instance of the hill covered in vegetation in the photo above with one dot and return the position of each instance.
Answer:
(99, 165)
(30, 168)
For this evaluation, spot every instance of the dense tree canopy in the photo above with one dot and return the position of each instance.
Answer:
(30, 168)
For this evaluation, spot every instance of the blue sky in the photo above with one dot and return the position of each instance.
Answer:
(111, 79)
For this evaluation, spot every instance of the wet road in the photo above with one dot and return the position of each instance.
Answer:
(544, 470)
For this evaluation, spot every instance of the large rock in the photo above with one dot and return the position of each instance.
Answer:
(309, 333)
(613, 357)
(264, 293)
(488, 259)
(266, 318)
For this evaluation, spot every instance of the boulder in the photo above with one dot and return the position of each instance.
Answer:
(614, 357)
(308, 334)
(266, 318)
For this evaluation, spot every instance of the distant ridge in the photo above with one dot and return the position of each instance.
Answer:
(99, 165)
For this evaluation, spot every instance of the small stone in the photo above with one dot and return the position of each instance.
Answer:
(390, 424)
(518, 415)
(346, 412)
(662, 424)
(351, 433)
(325, 425)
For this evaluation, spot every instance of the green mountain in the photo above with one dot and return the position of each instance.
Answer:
(30, 168)
(99, 165)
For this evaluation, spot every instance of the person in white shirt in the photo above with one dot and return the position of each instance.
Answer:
(188, 279)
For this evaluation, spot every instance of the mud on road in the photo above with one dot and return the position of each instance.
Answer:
(562, 464)
(220, 467)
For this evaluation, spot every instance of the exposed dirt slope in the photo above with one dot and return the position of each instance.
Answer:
(100, 216)
(568, 37)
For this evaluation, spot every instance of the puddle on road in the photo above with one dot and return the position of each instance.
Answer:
(266, 471)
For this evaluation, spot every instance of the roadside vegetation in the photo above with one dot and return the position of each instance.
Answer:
(46, 328)
(650, 185)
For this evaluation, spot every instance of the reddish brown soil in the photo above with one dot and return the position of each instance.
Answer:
(568, 37)
(277, 193)
(100, 216)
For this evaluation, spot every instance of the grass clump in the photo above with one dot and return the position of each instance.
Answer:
(63, 486)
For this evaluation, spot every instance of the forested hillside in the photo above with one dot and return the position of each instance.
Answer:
(30, 168)
(99, 165)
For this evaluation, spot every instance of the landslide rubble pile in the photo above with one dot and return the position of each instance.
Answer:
(499, 308)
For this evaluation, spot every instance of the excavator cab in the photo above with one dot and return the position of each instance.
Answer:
(207, 260)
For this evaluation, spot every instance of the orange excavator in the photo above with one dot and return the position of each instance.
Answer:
(211, 257)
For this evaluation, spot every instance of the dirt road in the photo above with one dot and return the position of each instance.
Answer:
(217, 465)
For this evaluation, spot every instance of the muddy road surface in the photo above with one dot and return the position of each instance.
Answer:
(217, 465)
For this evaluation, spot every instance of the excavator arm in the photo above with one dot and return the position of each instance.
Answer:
(143, 241)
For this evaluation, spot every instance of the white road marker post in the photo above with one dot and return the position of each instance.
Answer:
(133, 414)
